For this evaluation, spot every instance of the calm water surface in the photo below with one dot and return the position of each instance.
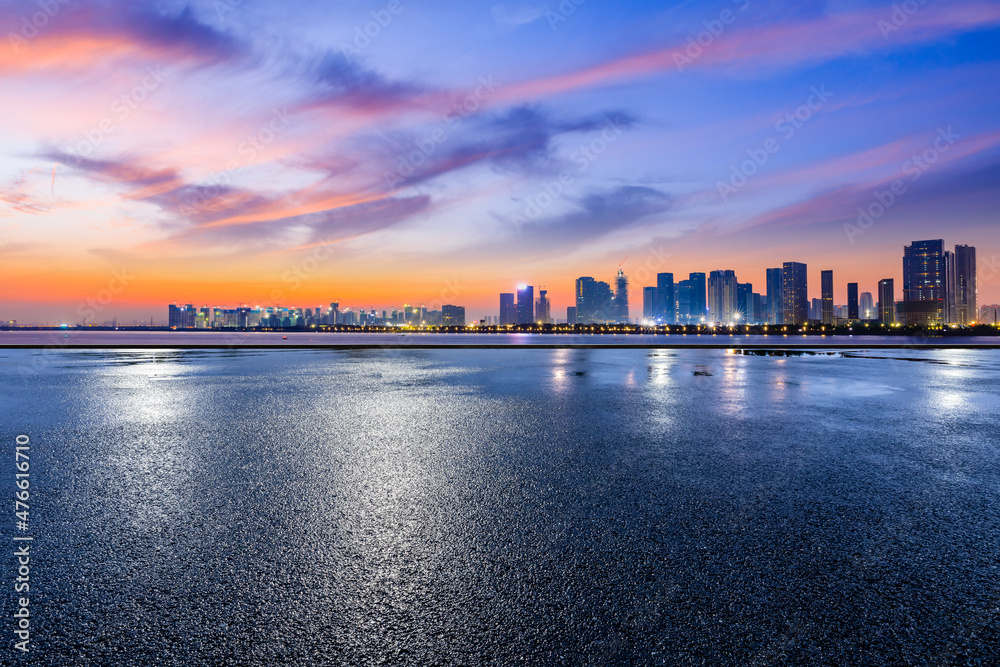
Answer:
(508, 506)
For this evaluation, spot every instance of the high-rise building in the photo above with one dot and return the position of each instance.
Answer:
(649, 303)
(525, 304)
(744, 302)
(989, 314)
(665, 306)
(593, 301)
(868, 306)
(621, 297)
(924, 283)
(542, 307)
(683, 300)
(887, 301)
(571, 317)
(453, 316)
(853, 303)
(508, 309)
(699, 300)
(826, 279)
(796, 292)
(950, 289)
(816, 309)
(966, 287)
(722, 292)
(775, 296)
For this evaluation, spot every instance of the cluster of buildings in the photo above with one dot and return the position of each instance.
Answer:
(939, 288)
(244, 317)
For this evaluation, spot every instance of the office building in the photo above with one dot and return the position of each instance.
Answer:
(542, 307)
(853, 303)
(722, 292)
(666, 308)
(966, 287)
(594, 301)
(887, 301)
(775, 296)
(868, 312)
(826, 284)
(453, 316)
(795, 286)
(649, 303)
(924, 284)
(621, 297)
(699, 300)
(744, 303)
(571, 317)
(508, 309)
(525, 304)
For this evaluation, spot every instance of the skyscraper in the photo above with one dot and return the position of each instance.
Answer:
(699, 302)
(853, 305)
(775, 296)
(621, 297)
(924, 283)
(827, 291)
(665, 305)
(966, 287)
(542, 307)
(744, 302)
(525, 304)
(867, 306)
(593, 300)
(795, 286)
(722, 291)
(684, 301)
(887, 301)
(649, 303)
(508, 310)
(571, 315)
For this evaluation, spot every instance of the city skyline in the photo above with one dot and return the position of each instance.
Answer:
(939, 286)
(186, 152)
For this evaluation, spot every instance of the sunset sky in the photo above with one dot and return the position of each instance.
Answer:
(389, 152)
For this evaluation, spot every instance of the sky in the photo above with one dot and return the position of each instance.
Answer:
(378, 153)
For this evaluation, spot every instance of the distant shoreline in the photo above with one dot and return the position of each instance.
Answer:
(208, 340)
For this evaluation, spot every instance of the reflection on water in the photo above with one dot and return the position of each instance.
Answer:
(513, 506)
